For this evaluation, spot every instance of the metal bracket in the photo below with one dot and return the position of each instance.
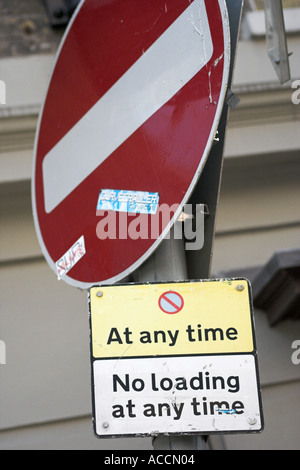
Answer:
(60, 11)
(232, 100)
(276, 288)
(276, 39)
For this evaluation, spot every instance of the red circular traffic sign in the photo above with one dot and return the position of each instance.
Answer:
(171, 302)
(132, 108)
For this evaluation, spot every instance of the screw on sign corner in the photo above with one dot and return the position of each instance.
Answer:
(240, 287)
(171, 302)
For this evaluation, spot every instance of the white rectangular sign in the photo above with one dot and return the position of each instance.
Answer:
(150, 396)
(174, 358)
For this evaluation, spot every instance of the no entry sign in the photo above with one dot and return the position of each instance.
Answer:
(171, 302)
(130, 114)
(192, 372)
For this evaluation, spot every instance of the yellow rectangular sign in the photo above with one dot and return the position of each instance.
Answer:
(169, 319)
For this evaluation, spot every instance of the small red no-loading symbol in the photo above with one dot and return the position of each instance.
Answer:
(171, 302)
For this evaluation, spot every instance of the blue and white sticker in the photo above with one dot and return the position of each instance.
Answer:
(139, 202)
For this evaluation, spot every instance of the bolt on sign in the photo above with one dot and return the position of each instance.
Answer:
(174, 358)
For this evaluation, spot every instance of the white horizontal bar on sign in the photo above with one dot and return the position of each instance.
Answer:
(169, 64)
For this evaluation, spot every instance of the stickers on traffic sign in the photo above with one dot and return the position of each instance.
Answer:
(141, 202)
(139, 114)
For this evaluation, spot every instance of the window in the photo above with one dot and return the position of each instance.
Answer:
(255, 17)
(259, 4)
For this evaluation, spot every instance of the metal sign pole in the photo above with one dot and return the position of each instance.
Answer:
(169, 262)
(207, 189)
(276, 39)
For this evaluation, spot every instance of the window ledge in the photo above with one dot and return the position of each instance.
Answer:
(257, 27)
(276, 288)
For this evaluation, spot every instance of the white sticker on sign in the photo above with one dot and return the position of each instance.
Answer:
(70, 258)
(200, 394)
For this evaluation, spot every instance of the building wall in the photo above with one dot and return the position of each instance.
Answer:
(45, 384)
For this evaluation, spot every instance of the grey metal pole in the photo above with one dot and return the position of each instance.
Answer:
(168, 263)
